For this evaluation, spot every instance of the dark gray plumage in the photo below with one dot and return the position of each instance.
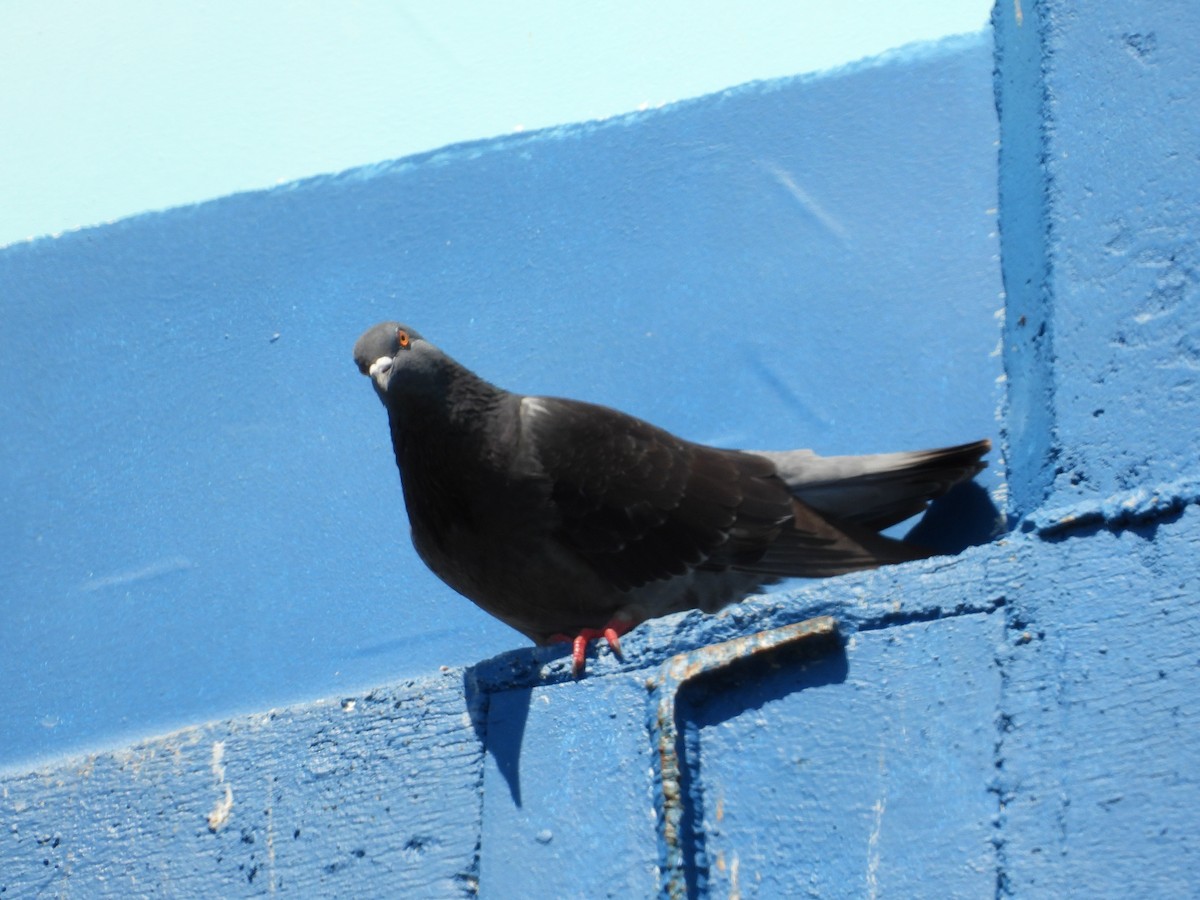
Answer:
(568, 520)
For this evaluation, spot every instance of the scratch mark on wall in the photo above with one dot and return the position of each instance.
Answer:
(814, 209)
(873, 848)
(130, 576)
(878, 809)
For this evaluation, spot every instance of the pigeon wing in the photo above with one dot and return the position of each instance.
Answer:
(640, 504)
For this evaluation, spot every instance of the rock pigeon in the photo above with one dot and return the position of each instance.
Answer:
(570, 521)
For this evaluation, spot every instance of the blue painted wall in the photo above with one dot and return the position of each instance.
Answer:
(1017, 719)
(1100, 199)
(202, 512)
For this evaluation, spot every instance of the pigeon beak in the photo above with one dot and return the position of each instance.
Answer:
(379, 372)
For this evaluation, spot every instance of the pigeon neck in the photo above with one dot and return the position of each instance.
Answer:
(454, 401)
(468, 398)
(441, 438)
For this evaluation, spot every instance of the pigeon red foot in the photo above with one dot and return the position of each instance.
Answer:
(611, 632)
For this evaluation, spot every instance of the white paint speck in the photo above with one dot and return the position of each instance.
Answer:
(224, 805)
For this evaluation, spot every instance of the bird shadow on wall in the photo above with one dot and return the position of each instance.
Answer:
(501, 732)
(498, 693)
(964, 517)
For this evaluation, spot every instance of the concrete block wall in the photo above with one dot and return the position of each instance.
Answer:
(1014, 719)
(1100, 200)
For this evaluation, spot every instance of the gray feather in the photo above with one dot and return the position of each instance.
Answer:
(876, 490)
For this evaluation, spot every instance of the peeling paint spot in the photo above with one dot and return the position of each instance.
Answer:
(1141, 46)
(220, 811)
(218, 761)
(224, 805)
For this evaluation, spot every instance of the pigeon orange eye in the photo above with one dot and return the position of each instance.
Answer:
(402, 337)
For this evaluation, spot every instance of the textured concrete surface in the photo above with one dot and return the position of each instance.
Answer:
(1016, 719)
(380, 791)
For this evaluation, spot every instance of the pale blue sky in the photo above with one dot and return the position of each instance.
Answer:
(110, 109)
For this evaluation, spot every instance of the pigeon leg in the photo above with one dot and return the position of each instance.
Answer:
(611, 632)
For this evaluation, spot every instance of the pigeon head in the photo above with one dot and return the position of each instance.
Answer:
(397, 359)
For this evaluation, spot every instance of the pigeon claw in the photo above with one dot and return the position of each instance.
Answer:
(611, 632)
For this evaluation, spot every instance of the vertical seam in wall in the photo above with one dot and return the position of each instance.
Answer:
(1025, 173)
(1025, 186)
(477, 702)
